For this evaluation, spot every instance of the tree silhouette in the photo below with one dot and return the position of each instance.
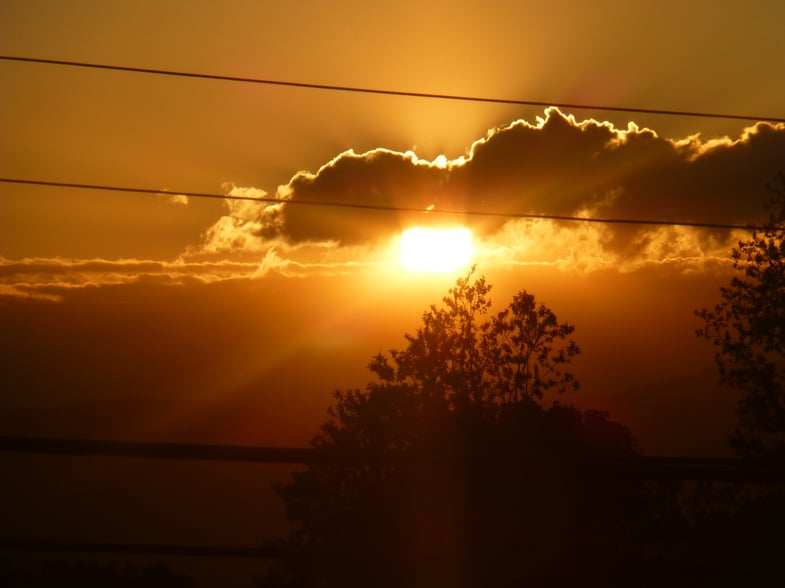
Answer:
(748, 327)
(464, 357)
(468, 480)
(526, 348)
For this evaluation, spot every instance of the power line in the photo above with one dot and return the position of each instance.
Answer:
(756, 471)
(384, 208)
(267, 551)
(388, 92)
(177, 451)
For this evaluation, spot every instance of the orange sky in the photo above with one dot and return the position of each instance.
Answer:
(163, 318)
(193, 303)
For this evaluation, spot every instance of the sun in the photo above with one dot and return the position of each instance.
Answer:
(436, 250)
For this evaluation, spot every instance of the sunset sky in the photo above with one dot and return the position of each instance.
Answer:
(164, 317)
(192, 303)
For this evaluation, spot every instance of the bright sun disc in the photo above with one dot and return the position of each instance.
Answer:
(436, 250)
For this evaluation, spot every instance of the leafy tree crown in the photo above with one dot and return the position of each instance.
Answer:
(748, 328)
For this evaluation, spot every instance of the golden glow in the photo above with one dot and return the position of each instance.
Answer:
(436, 250)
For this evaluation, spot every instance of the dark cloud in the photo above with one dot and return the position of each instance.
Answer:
(379, 178)
(558, 166)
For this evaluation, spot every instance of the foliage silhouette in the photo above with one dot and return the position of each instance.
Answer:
(518, 354)
(488, 487)
(748, 327)
(741, 542)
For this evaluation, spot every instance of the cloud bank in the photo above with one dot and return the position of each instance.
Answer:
(48, 278)
(556, 166)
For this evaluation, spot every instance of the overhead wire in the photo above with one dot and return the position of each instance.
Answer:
(651, 467)
(382, 91)
(387, 91)
(383, 207)
(267, 551)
